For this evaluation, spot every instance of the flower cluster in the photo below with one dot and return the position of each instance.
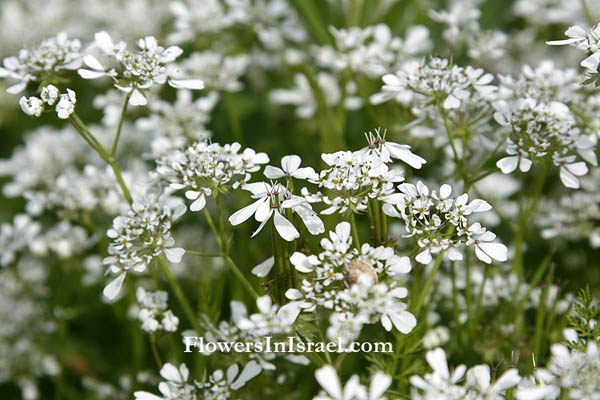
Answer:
(34, 106)
(16, 237)
(352, 390)
(150, 65)
(440, 222)
(587, 40)
(352, 283)
(572, 372)
(153, 305)
(204, 168)
(42, 63)
(272, 201)
(444, 384)
(140, 235)
(544, 130)
(372, 51)
(352, 178)
(218, 386)
(438, 79)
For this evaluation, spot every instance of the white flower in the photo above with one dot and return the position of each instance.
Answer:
(290, 167)
(66, 105)
(329, 380)
(271, 319)
(479, 378)
(49, 94)
(149, 66)
(265, 207)
(440, 384)
(50, 58)
(31, 106)
(140, 235)
(175, 386)
(388, 150)
(204, 168)
(484, 249)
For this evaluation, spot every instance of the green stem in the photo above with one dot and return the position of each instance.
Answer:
(240, 275)
(155, 351)
(113, 152)
(355, 232)
(201, 254)
(417, 308)
(85, 133)
(220, 238)
(187, 309)
(459, 162)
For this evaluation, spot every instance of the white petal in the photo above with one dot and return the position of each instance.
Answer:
(290, 163)
(273, 172)
(264, 304)
(451, 102)
(445, 191)
(137, 98)
(424, 257)
(242, 215)
(251, 370)
(404, 321)
(193, 84)
(379, 384)
(174, 254)
(199, 204)
(313, 223)
(328, 379)
(17, 88)
(104, 42)
(293, 294)
(93, 63)
(568, 179)
(285, 228)
(578, 168)
(437, 361)
(509, 379)
(112, 289)
(263, 269)
(146, 396)
(170, 373)
(508, 164)
(482, 256)
(525, 164)
(89, 74)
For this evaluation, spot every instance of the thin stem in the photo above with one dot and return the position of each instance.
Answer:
(240, 275)
(187, 309)
(459, 162)
(113, 152)
(438, 261)
(201, 254)
(354, 232)
(220, 238)
(85, 133)
(155, 351)
(279, 268)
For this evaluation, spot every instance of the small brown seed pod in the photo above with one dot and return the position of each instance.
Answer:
(355, 268)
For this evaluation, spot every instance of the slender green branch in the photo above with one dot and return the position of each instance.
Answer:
(438, 261)
(187, 309)
(113, 152)
(240, 275)
(201, 254)
(220, 238)
(85, 133)
(155, 351)
(354, 232)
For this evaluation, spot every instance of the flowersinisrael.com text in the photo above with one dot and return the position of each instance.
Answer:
(291, 344)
